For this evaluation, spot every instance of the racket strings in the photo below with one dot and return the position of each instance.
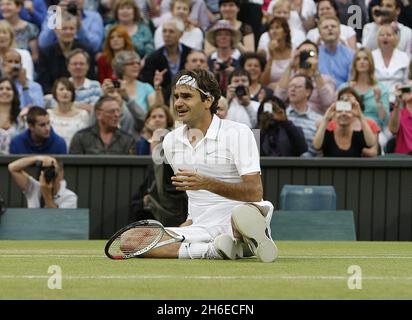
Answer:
(135, 240)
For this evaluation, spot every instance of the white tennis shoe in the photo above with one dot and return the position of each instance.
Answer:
(224, 247)
(251, 224)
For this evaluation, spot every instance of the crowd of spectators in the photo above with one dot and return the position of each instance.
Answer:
(316, 78)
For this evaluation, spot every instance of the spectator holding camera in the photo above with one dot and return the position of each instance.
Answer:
(7, 42)
(89, 26)
(305, 62)
(222, 62)
(127, 67)
(344, 141)
(241, 108)
(387, 13)
(400, 123)
(279, 137)
(30, 92)
(49, 190)
(39, 137)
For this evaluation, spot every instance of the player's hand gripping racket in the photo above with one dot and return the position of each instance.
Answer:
(137, 238)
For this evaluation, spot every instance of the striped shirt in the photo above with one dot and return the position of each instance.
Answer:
(307, 121)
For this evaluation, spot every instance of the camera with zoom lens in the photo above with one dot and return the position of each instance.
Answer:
(240, 91)
(72, 8)
(303, 57)
(49, 172)
(223, 65)
(116, 83)
(381, 13)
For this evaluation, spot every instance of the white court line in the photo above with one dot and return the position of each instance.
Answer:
(43, 255)
(177, 277)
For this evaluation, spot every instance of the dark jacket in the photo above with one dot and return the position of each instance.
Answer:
(23, 144)
(52, 65)
(88, 141)
(158, 61)
(282, 139)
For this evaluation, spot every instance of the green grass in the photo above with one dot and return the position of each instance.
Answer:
(304, 270)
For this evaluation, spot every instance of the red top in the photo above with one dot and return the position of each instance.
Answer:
(104, 70)
(372, 124)
(404, 135)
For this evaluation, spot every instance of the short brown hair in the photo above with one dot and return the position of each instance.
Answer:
(67, 83)
(35, 112)
(132, 3)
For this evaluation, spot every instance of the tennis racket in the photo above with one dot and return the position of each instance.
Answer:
(137, 238)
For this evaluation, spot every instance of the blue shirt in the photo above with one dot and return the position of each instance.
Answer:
(336, 64)
(143, 147)
(173, 67)
(23, 144)
(91, 32)
(37, 16)
(31, 97)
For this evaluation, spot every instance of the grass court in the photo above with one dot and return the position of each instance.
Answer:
(303, 270)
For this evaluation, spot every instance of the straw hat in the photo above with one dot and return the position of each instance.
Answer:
(223, 25)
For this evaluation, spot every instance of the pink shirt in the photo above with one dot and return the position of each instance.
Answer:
(404, 135)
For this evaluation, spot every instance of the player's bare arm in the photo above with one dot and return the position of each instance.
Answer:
(249, 190)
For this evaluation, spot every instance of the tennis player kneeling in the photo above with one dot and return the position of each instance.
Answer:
(217, 163)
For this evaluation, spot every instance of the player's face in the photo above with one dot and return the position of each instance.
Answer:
(188, 105)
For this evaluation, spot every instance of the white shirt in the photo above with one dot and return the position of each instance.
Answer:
(246, 115)
(295, 21)
(395, 73)
(66, 127)
(192, 39)
(297, 37)
(346, 33)
(26, 62)
(63, 199)
(227, 152)
(370, 37)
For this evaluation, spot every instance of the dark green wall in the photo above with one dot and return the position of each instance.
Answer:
(378, 191)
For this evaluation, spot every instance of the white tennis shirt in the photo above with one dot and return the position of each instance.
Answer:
(227, 152)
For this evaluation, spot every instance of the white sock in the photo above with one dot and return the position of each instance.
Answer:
(193, 250)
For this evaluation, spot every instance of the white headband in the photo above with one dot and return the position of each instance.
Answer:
(191, 82)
